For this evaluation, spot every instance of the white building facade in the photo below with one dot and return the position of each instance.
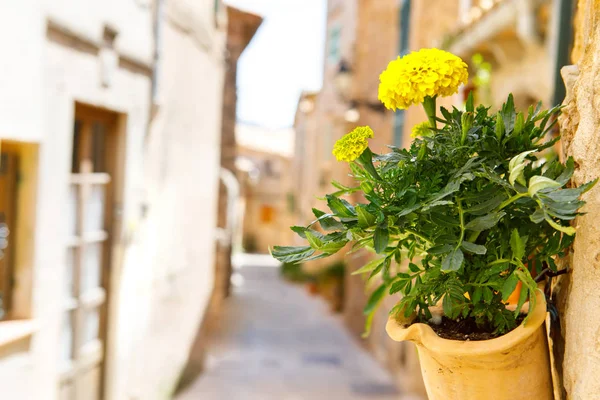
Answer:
(110, 116)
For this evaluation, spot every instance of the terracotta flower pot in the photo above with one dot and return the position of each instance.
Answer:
(514, 366)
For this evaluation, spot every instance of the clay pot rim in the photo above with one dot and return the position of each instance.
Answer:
(423, 335)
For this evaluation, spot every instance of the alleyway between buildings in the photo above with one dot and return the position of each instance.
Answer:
(276, 342)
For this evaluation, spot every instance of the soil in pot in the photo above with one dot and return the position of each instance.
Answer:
(465, 329)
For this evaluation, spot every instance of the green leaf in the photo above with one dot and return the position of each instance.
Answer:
(517, 245)
(499, 129)
(537, 216)
(333, 247)
(374, 299)
(314, 241)
(508, 113)
(441, 249)
(365, 218)
(291, 254)
(366, 160)
(368, 325)
(405, 210)
(452, 305)
(443, 220)
(448, 306)
(473, 248)
(469, 105)
(564, 177)
(522, 300)
(516, 174)
(519, 123)
(528, 282)
(519, 158)
(370, 266)
(380, 239)
(517, 164)
(413, 267)
(504, 320)
(340, 207)
(487, 206)
(509, 286)
(453, 261)
(326, 221)
(488, 295)
(486, 222)
(538, 182)
(317, 257)
(477, 293)
(398, 286)
(343, 188)
(437, 203)
(569, 230)
(384, 265)
(299, 230)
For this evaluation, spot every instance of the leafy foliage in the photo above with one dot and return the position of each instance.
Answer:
(472, 208)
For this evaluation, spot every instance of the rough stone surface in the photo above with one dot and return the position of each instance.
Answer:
(276, 342)
(579, 300)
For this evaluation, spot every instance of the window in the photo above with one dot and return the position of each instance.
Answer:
(335, 50)
(18, 183)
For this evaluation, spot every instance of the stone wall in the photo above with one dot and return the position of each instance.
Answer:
(578, 296)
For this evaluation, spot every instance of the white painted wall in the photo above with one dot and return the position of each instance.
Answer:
(166, 276)
(176, 240)
(132, 19)
(21, 41)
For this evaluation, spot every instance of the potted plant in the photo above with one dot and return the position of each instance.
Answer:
(475, 207)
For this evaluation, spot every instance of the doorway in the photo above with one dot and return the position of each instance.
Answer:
(93, 200)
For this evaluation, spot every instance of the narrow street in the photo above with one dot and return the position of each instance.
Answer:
(278, 343)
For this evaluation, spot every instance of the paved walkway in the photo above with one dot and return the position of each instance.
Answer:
(278, 343)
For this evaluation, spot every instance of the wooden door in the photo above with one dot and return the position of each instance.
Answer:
(88, 256)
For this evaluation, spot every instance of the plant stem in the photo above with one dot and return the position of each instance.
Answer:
(462, 222)
(430, 109)
(473, 236)
(499, 261)
(512, 199)
(419, 236)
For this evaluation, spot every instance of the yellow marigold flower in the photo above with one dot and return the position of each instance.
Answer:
(422, 129)
(352, 145)
(427, 72)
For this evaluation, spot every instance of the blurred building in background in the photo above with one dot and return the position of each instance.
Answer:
(241, 30)
(518, 39)
(322, 118)
(110, 120)
(264, 160)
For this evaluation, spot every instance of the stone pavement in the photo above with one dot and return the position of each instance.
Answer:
(278, 343)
